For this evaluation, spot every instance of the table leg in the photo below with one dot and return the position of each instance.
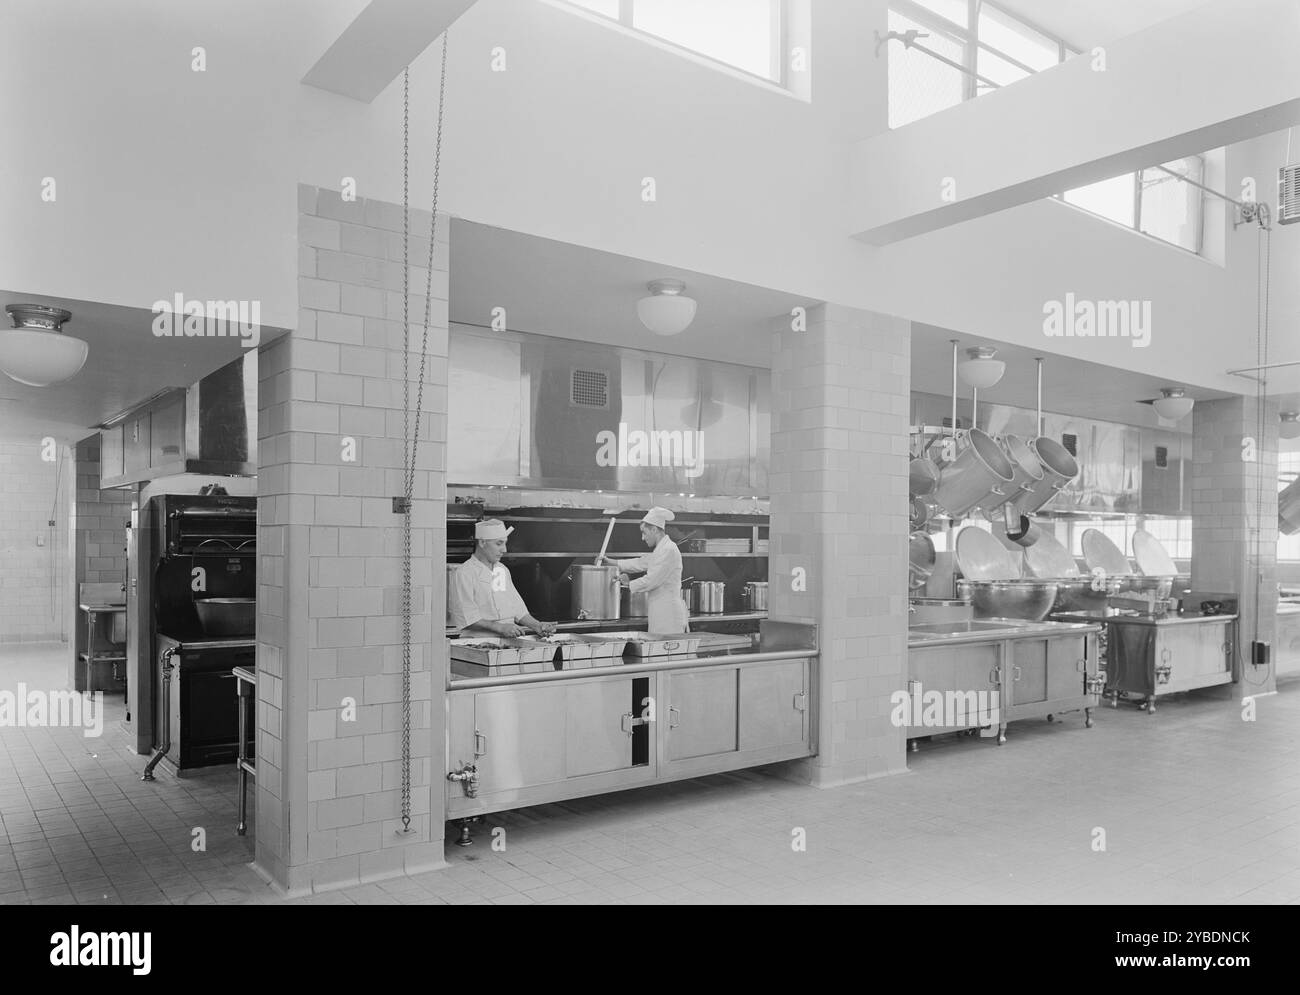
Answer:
(242, 756)
(90, 650)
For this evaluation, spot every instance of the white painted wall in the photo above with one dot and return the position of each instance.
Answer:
(175, 181)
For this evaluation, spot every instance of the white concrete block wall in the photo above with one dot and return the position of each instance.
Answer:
(329, 626)
(1226, 504)
(34, 585)
(840, 394)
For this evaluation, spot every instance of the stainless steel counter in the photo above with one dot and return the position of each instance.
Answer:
(640, 624)
(530, 739)
(991, 630)
(1151, 655)
(1014, 668)
(1114, 616)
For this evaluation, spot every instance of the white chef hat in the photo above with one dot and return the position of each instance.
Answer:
(491, 528)
(658, 517)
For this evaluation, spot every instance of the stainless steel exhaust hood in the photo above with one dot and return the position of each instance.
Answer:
(208, 428)
(535, 411)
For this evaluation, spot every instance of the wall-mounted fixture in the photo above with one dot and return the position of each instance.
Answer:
(1290, 427)
(1172, 404)
(35, 351)
(981, 370)
(667, 311)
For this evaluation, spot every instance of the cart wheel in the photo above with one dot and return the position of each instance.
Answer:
(1051, 717)
(1002, 738)
(1087, 718)
(914, 745)
(1151, 706)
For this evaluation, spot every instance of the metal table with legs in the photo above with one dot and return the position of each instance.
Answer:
(246, 688)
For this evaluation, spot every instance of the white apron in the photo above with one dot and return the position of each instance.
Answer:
(663, 586)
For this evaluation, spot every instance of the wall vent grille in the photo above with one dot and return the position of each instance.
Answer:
(589, 389)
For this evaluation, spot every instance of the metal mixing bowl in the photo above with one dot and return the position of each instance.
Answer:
(227, 616)
(1025, 599)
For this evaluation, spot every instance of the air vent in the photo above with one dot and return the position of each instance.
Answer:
(1288, 194)
(589, 389)
(1071, 444)
(1162, 458)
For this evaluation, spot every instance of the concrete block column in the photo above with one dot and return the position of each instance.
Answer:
(839, 525)
(1234, 503)
(329, 628)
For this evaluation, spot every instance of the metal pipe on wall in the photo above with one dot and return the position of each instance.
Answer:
(1039, 423)
(954, 388)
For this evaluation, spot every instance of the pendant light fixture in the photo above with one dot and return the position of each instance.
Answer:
(1290, 427)
(667, 311)
(980, 370)
(1172, 404)
(35, 351)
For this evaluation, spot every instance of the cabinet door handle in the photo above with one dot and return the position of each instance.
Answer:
(995, 675)
(800, 701)
(1015, 670)
(674, 717)
(480, 745)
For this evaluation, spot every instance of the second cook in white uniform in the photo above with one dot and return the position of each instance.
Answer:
(663, 574)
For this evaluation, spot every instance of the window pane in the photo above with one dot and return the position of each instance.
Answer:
(920, 85)
(1171, 209)
(997, 69)
(1016, 39)
(737, 32)
(607, 7)
(1111, 198)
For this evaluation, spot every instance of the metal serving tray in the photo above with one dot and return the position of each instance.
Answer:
(496, 651)
(643, 644)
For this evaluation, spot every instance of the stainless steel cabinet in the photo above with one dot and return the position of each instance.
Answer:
(531, 743)
(774, 702)
(948, 671)
(993, 681)
(700, 708)
(598, 726)
(527, 744)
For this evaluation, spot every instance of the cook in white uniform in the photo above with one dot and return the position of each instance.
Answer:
(482, 595)
(663, 574)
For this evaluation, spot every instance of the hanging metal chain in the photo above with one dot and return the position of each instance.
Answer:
(411, 441)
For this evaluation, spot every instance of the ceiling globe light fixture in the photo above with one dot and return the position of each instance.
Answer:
(667, 311)
(1290, 427)
(981, 370)
(1172, 404)
(35, 351)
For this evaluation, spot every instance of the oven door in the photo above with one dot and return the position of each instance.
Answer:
(205, 707)
(203, 531)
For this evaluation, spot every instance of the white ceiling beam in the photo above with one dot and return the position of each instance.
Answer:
(1181, 87)
(386, 37)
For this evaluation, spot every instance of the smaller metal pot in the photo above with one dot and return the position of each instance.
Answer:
(709, 595)
(754, 596)
(634, 605)
(689, 600)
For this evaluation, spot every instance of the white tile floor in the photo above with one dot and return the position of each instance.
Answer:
(1197, 806)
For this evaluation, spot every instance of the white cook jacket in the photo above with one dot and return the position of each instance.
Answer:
(663, 586)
